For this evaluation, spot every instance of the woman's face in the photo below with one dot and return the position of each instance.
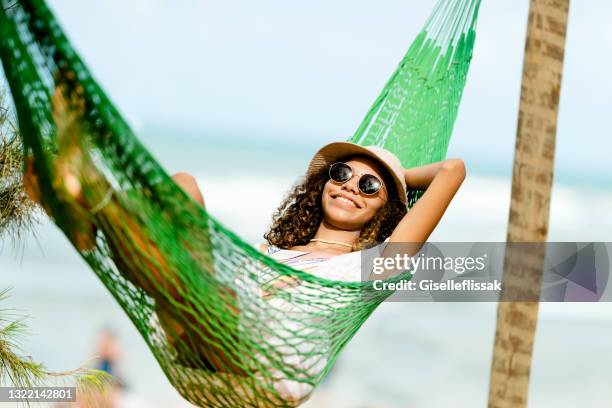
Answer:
(347, 208)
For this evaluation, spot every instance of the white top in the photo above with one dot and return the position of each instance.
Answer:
(345, 267)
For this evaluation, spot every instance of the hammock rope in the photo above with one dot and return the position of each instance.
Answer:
(209, 305)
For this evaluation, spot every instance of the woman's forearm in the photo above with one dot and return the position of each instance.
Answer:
(422, 176)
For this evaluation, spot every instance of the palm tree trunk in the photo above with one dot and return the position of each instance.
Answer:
(530, 202)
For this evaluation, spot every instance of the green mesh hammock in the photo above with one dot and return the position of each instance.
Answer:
(207, 303)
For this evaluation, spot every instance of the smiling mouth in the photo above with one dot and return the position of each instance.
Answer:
(345, 201)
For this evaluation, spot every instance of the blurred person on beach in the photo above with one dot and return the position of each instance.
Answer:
(108, 351)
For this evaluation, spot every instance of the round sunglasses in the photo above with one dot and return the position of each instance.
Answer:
(341, 172)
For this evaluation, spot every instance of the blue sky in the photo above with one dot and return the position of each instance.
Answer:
(285, 70)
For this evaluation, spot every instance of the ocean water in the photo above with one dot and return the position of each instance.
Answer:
(406, 354)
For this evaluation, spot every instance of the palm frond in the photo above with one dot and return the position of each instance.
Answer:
(18, 214)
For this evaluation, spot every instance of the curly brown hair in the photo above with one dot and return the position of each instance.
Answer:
(299, 215)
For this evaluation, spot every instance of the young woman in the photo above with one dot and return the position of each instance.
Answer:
(353, 197)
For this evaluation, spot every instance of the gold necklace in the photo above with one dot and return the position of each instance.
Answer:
(331, 242)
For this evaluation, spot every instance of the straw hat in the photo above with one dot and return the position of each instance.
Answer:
(336, 151)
